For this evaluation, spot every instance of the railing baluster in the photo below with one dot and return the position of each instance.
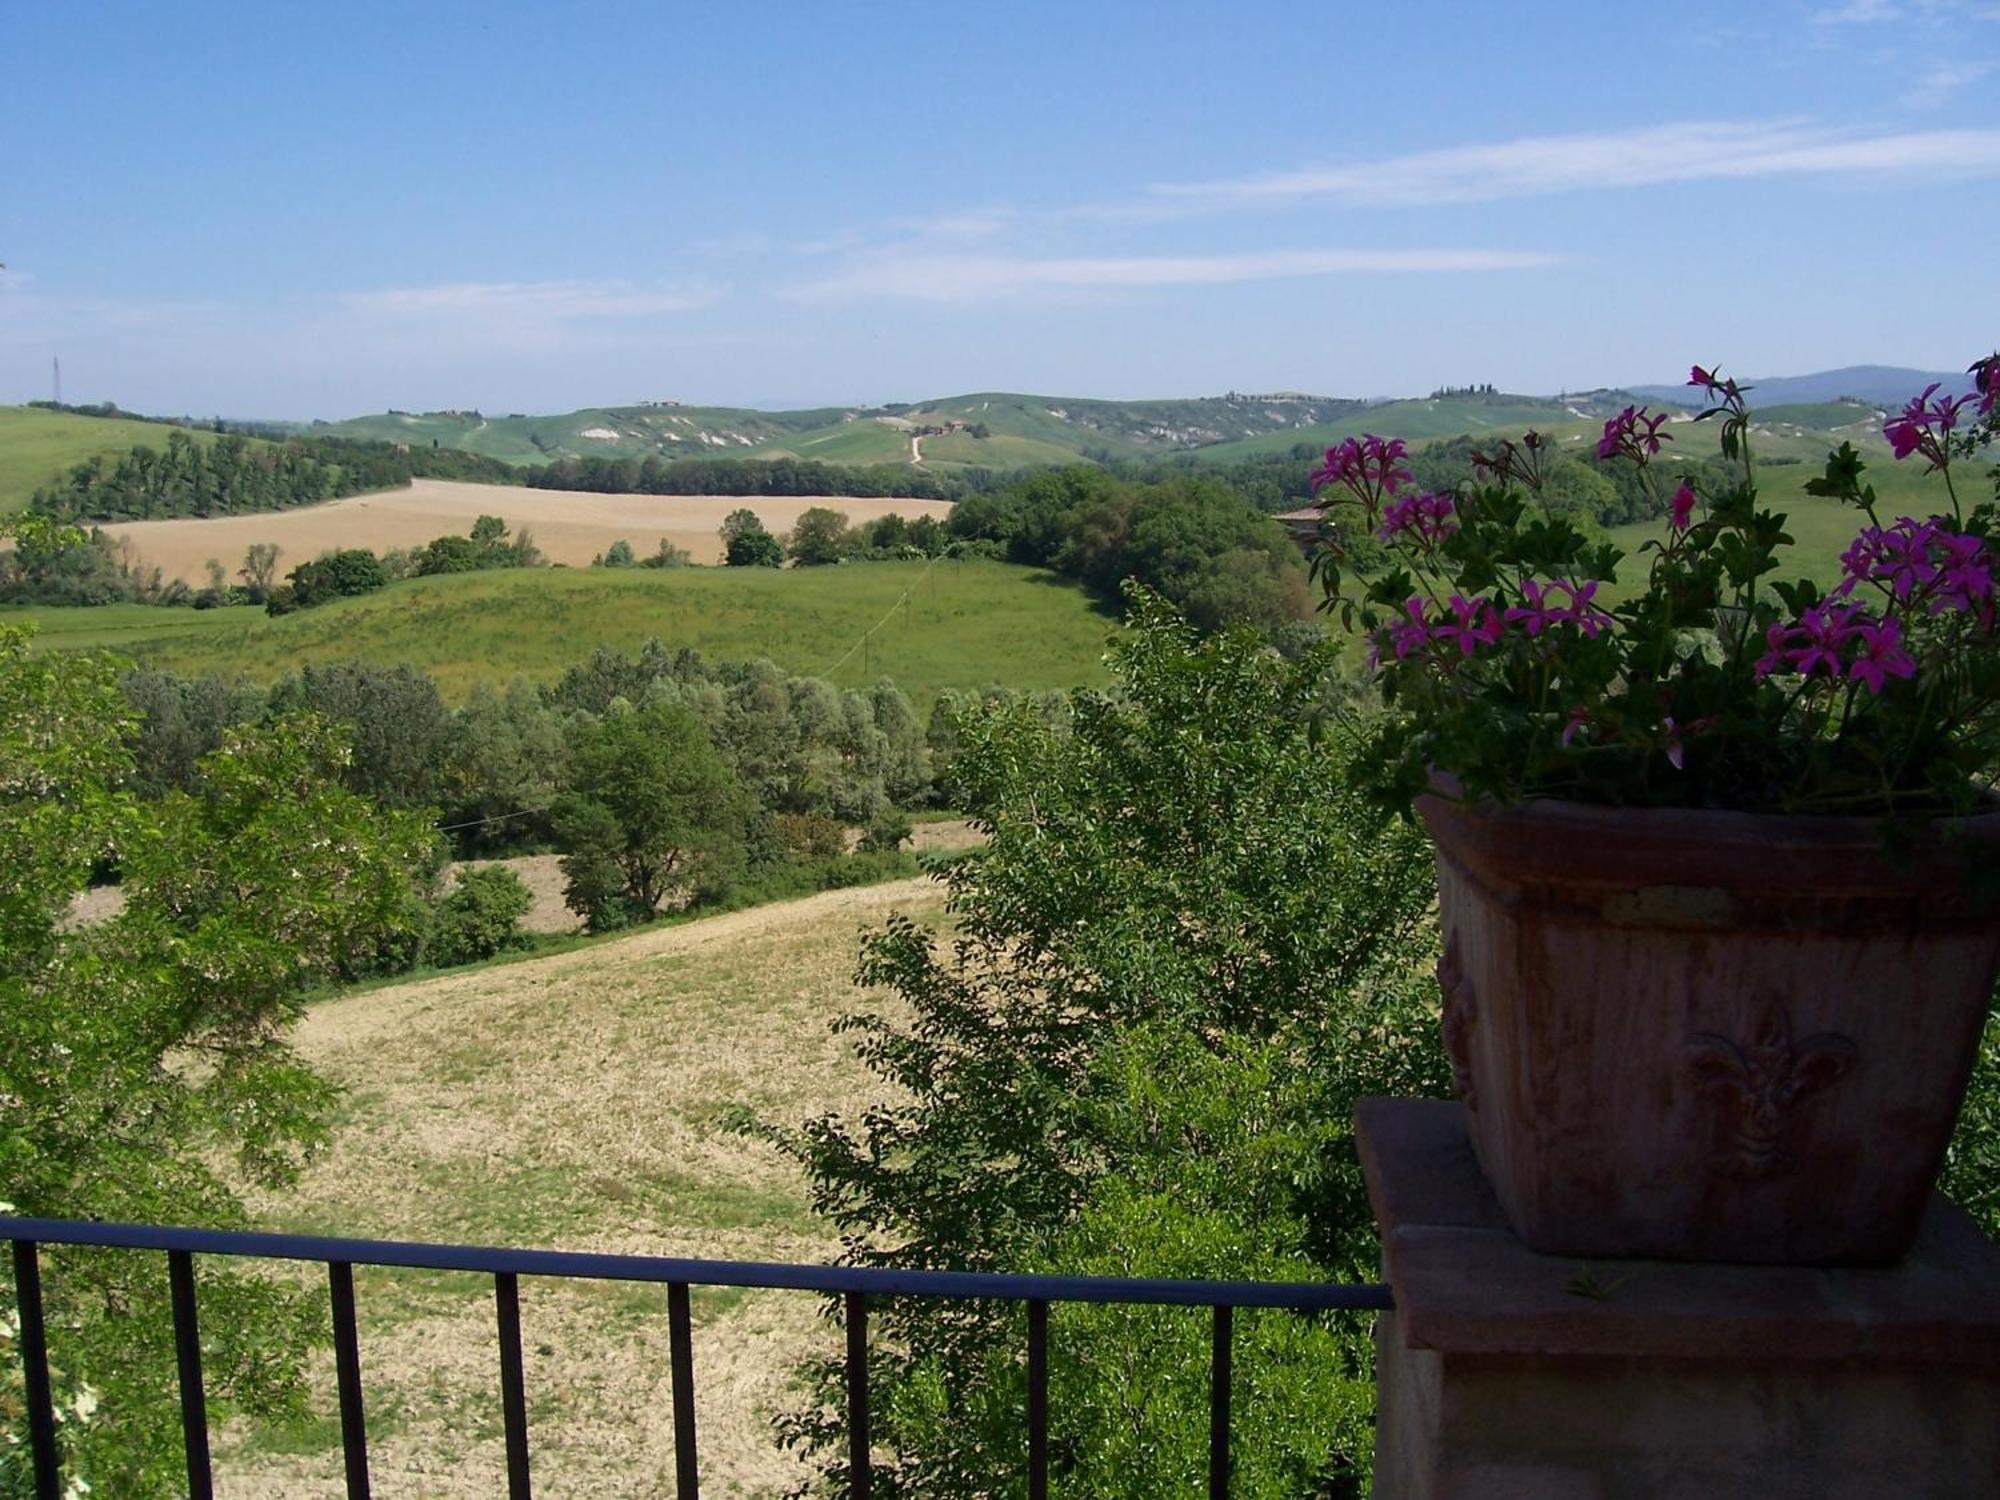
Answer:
(35, 1368)
(347, 1366)
(513, 1389)
(1038, 1399)
(860, 1467)
(680, 1344)
(1218, 1405)
(187, 1351)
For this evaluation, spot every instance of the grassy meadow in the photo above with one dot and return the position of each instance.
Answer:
(965, 624)
(1820, 529)
(579, 1100)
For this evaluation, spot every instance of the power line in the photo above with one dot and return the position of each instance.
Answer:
(900, 603)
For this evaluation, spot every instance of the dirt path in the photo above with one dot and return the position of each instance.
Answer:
(580, 1100)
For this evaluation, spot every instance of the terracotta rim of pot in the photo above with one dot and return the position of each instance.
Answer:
(1576, 844)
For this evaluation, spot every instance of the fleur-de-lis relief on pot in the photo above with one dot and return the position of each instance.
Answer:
(1760, 1084)
(1459, 1015)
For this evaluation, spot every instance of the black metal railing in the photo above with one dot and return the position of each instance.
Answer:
(853, 1284)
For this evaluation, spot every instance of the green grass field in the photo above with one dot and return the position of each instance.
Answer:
(966, 624)
(1820, 529)
(37, 446)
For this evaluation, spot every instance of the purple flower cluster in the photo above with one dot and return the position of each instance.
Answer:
(1426, 517)
(1985, 375)
(1634, 434)
(1542, 607)
(1466, 623)
(1923, 562)
(1368, 465)
(1924, 424)
(1470, 624)
(1839, 640)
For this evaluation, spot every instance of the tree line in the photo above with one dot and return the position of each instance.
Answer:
(493, 769)
(235, 474)
(654, 475)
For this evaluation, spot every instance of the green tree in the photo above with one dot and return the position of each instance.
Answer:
(819, 537)
(746, 543)
(478, 917)
(144, 1060)
(651, 812)
(398, 728)
(617, 555)
(1183, 954)
(336, 575)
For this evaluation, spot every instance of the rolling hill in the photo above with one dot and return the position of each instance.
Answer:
(992, 429)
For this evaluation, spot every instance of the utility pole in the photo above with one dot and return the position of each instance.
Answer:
(58, 379)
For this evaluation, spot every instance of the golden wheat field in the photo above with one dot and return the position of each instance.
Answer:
(570, 526)
(579, 1101)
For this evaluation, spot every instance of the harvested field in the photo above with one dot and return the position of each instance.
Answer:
(578, 1101)
(570, 526)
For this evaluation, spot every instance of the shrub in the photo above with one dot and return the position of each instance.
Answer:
(811, 835)
(889, 831)
(479, 917)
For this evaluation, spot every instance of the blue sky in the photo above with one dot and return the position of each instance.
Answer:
(316, 211)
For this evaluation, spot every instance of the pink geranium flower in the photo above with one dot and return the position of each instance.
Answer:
(1539, 610)
(1880, 656)
(1411, 634)
(1633, 434)
(1427, 517)
(1681, 507)
(1368, 465)
(1474, 623)
(1923, 425)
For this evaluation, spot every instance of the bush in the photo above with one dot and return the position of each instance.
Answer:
(617, 555)
(889, 831)
(478, 917)
(668, 556)
(811, 835)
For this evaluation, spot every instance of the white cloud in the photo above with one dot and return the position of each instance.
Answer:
(536, 300)
(948, 277)
(1870, 12)
(1857, 12)
(1689, 151)
(1936, 86)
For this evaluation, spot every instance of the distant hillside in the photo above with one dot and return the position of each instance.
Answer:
(1876, 385)
(993, 429)
(36, 445)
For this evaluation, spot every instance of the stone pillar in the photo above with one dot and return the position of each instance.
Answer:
(1507, 1375)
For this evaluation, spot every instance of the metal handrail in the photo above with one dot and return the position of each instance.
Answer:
(853, 1284)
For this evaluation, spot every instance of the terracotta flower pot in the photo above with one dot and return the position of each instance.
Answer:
(1710, 1036)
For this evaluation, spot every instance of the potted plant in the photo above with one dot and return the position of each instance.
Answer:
(1715, 851)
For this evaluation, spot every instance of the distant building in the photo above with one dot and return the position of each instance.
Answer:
(1302, 524)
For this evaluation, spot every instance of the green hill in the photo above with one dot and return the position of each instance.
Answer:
(987, 429)
(36, 445)
(966, 624)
